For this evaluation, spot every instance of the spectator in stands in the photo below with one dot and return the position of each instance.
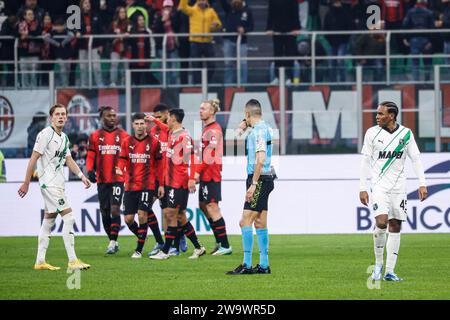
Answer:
(337, 19)
(90, 25)
(444, 22)
(313, 21)
(106, 9)
(437, 7)
(283, 18)
(136, 9)
(142, 47)
(59, 39)
(238, 18)
(302, 67)
(38, 123)
(29, 49)
(167, 21)
(32, 4)
(121, 27)
(367, 44)
(355, 9)
(73, 54)
(8, 28)
(184, 46)
(419, 17)
(202, 19)
(46, 53)
(79, 153)
(392, 13)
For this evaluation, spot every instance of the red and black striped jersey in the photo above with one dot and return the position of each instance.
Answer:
(140, 160)
(180, 156)
(160, 131)
(210, 167)
(103, 154)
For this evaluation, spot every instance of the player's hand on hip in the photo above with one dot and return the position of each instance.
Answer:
(191, 186)
(160, 192)
(23, 190)
(250, 192)
(364, 198)
(423, 193)
(86, 182)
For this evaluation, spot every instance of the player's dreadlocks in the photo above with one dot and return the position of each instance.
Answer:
(102, 109)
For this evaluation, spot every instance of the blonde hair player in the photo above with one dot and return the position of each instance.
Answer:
(209, 175)
(50, 152)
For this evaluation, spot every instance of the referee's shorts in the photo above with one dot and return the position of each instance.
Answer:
(260, 201)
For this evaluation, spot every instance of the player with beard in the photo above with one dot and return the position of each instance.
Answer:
(102, 158)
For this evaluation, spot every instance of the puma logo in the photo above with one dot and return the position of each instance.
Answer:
(380, 140)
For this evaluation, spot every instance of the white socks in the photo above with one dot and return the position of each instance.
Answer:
(68, 236)
(392, 247)
(44, 239)
(379, 242)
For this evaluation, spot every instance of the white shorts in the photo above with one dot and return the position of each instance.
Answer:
(55, 199)
(392, 204)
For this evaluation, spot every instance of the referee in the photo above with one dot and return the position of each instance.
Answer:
(259, 186)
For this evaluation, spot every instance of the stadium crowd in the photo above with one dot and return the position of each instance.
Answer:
(29, 18)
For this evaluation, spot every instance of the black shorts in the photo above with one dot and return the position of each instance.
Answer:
(175, 198)
(110, 194)
(162, 202)
(210, 192)
(260, 200)
(138, 200)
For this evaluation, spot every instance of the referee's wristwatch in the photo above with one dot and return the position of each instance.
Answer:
(254, 183)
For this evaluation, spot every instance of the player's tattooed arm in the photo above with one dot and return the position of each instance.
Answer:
(23, 190)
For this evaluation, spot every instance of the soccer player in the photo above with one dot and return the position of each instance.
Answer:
(160, 130)
(50, 152)
(259, 186)
(178, 183)
(385, 148)
(140, 160)
(102, 159)
(209, 174)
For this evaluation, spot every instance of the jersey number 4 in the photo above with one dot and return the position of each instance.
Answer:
(403, 205)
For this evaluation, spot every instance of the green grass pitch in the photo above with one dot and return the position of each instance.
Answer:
(303, 267)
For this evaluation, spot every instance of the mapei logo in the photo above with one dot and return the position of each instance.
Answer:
(432, 214)
(6, 119)
(390, 154)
